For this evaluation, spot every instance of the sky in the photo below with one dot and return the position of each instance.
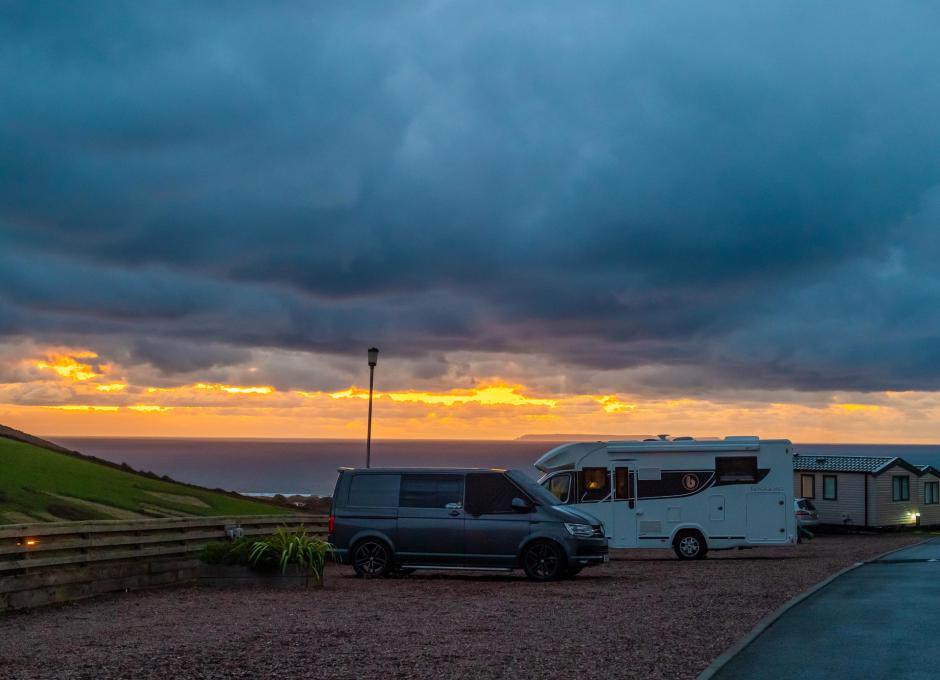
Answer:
(649, 217)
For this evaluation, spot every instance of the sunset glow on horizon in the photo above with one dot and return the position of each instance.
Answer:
(73, 393)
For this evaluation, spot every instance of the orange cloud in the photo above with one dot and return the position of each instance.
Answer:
(111, 387)
(68, 366)
(490, 395)
(232, 389)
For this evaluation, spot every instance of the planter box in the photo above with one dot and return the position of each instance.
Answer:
(238, 576)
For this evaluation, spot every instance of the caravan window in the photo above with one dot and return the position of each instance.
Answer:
(736, 469)
(900, 488)
(931, 493)
(559, 486)
(808, 486)
(595, 485)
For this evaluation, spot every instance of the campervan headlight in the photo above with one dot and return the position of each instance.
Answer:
(580, 530)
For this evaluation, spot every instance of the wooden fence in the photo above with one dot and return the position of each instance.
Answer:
(63, 561)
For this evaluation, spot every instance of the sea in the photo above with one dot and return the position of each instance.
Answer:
(308, 466)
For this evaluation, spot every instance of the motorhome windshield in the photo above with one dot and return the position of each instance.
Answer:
(535, 490)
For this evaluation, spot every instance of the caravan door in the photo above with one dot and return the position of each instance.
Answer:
(623, 501)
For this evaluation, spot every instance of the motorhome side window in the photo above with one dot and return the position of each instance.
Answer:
(489, 493)
(430, 491)
(560, 487)
(595, 484)
(736, 469)
(623, 481)
(374, 490)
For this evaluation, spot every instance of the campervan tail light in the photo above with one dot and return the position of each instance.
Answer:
(580, 530)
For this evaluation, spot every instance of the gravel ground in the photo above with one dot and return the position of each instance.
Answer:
(646, 615)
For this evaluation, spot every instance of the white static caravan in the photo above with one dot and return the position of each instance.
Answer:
(686, 494)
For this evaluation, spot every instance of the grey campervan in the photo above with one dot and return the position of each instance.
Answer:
(384, 521)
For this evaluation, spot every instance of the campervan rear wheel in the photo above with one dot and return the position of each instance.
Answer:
(690, 545)
(372, 558)
(544, 561)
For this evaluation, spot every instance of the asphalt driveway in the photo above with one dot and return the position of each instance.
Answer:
(877, 621)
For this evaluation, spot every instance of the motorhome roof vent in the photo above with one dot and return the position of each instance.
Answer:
(820, 460)
(663, 437)
(683, 439)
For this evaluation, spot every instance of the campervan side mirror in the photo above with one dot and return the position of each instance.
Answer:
(521, 505)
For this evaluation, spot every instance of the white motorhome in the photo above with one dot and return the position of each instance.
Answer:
(691, 495)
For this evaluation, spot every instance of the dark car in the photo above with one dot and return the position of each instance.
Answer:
(397, 520)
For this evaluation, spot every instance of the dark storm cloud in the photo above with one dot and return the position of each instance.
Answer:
(745, 194)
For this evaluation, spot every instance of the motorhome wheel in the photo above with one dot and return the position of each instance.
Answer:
(690, 545)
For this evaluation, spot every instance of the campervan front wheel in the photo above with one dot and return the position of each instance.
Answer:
(544, 561)
(690, 545)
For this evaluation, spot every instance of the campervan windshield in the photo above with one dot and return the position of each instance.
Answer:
(535, 490)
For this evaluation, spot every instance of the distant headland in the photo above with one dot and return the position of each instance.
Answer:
(577, 437)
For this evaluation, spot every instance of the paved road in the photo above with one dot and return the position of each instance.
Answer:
(881, 620)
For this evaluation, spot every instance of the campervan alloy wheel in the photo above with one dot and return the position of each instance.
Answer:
(690, 545)
(544, 561)
(371, 558)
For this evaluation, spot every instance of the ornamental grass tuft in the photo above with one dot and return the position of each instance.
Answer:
(285, 547)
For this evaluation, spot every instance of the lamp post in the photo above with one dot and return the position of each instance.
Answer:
(373, 360)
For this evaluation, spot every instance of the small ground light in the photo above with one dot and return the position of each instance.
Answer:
(29, 542)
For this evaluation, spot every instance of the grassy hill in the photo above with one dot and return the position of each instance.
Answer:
(49, 483)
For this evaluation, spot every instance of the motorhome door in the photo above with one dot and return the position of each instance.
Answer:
(623, 513)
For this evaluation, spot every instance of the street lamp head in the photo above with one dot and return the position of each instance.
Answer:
(373, 357)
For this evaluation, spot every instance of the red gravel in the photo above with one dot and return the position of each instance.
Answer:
(646, 615)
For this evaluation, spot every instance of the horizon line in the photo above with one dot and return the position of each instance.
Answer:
(408, 439)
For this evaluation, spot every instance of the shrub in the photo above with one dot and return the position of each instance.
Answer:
(284, 548)
(228, 552)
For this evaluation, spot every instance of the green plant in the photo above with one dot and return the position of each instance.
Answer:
(228, 552)
(286, 547)
(214, 553)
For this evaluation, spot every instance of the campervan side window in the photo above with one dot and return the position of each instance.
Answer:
(736, 469)
(430, 491)
(830, 488)
(490, 493)
(595, 485)
(374, 490)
